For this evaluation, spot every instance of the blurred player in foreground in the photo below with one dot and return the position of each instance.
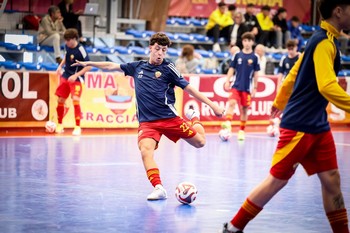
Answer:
(155, 80)
(306, 137)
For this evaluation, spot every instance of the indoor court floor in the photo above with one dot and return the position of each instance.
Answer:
(97, 183)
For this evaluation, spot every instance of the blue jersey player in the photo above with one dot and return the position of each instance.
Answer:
(245, 65)
(70, 81)
(155, 80)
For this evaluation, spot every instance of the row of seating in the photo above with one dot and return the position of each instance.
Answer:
(176, 37)
(202, 22)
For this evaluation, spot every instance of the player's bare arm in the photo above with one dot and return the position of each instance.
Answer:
(218, 111)
(100, 65)
(229, 75)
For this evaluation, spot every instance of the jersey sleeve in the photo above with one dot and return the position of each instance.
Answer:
(129, 68)
(326, 78)
(175, 77)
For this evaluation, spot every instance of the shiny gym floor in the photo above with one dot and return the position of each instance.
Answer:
(96, 183)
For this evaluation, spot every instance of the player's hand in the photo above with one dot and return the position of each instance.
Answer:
(79, 63)
(227, 86)
(275, 112)
(218, 111)
(72, 78)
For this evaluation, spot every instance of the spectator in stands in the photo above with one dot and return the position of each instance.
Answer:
(268, 34)
(189, 60)
(295, 32)
(225, 64)
(251, 21)
(51, 30)
(344, 41)
(260, 51)
(280, 26)
(237, 30)
(219, 25)
(71, 18)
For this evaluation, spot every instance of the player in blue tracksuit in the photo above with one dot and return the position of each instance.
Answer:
(305, 135)
(155, 81)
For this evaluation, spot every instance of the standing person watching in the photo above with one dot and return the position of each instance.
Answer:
(305, 134)
(51, 30)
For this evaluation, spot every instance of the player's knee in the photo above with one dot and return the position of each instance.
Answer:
(200, 143)
(331, 180)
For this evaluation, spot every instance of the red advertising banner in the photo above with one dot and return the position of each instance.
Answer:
(212, 86)
(24, 98)
(203, 8)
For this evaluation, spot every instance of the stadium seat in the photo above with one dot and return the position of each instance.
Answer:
(221, 55)
(106, 50)
(31, 47)
(10, 46)
(10, 65)
(182, 22)
(209, 71)
(185, 37)
(46, 48)
(49, 66)
(345, 58)
(90, 49)
(204, 53)
(139, 50)
(174, 52)
(30, 65)
(122, 50)
(172, 36)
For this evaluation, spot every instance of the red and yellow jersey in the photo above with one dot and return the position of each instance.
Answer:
(312, 83)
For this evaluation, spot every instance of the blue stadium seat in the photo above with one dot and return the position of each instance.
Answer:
(106, 50)
(174, 52)
(10, 46)
(182, 22)
(139, 50)
(90, 49)
(345, 58)
(49, 66)
(10, 65)
(200, 37)
(204, 53)
(48, 49)
(209, 71)
(185, 37)
(30, 65)
(172, 36)
(31, 47)
(170, 21)
(197, 22)
(221, 55)
(122, 50)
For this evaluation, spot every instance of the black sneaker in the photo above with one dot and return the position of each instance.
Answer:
(224, 230)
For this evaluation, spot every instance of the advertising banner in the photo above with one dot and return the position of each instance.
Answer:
(212, 86)
(24, 98)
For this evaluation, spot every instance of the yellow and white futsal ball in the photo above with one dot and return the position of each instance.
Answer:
(50, 127)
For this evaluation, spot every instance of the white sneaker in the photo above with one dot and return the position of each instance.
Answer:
(191, 113)
(241, 135)
(76, 131)
(216, 47)
(226, 125)
(158, 193)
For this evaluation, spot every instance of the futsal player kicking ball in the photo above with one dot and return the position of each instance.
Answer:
(70, 81)
(155, 80)
(305, 135)
(245, 65)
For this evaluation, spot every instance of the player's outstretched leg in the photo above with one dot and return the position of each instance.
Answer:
(199, 139)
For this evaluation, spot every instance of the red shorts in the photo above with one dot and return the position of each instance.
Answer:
(315, 152)
(243, 98)
(65, 88)
(173, 128)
